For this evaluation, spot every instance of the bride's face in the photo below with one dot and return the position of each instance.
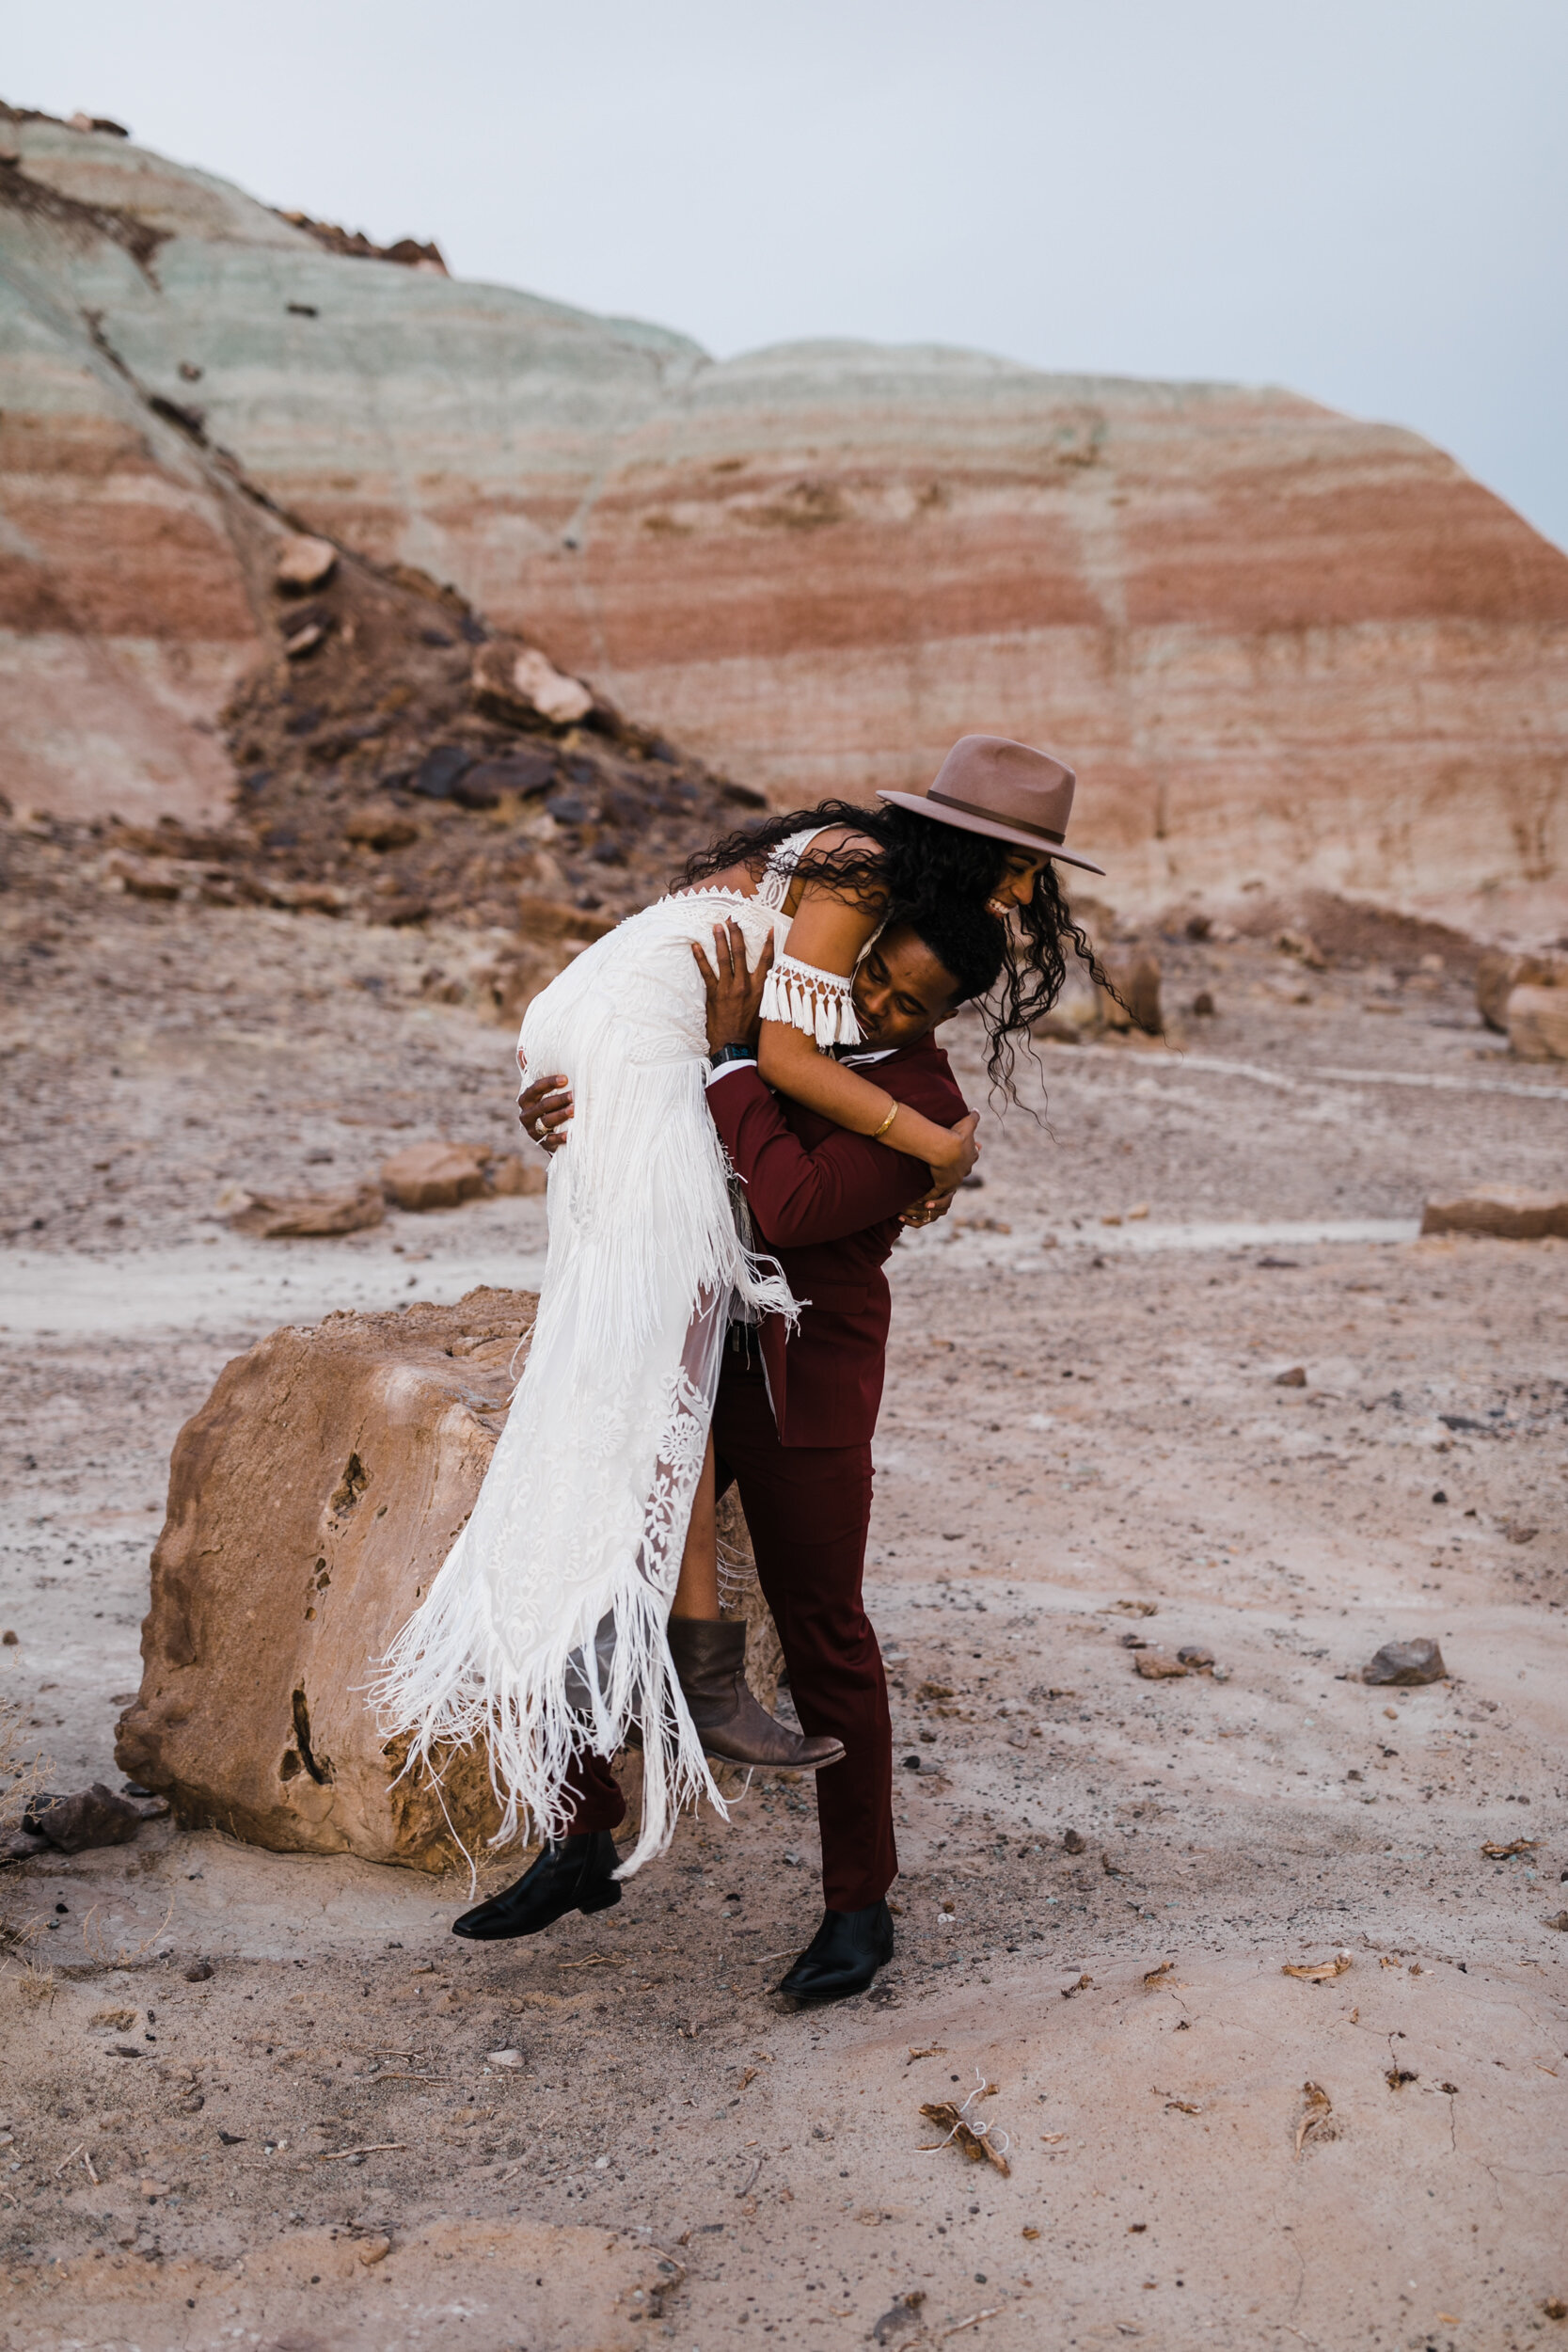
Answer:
(1017, 885)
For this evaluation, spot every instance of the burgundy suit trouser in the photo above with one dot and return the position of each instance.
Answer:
(808, 1508)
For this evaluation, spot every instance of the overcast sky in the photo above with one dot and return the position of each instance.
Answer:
(1361, 199)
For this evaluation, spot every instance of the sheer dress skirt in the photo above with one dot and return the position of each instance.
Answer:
(545, 1627)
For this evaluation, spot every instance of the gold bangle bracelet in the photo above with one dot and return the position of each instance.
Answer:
(878, 1133)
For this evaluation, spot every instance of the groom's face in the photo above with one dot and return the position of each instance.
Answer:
(900, 990)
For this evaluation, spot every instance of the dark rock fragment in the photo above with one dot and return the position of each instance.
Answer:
(439, 771)
(526, 773)
(16, 1846)
(94, 1817)
(1407, 1662)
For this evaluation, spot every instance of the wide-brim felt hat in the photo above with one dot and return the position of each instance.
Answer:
(1008, 791)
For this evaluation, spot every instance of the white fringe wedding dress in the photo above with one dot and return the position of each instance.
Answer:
(545, 1625)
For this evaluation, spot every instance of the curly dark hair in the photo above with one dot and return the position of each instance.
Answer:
(919, 867)
(967, 940)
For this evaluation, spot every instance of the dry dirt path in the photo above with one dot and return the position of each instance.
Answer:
(1084, 1441)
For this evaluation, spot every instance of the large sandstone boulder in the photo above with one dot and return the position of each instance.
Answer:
(435, 1175)
(1538, 1023)
(311, 1500)
(289, 1216)
(1500, 973)
(1505, 970)
(444, 1175)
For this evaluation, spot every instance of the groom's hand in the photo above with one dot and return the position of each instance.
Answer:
(543, 1110)
(734, 991)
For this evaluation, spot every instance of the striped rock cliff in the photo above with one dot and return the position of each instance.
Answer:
(1281, 645)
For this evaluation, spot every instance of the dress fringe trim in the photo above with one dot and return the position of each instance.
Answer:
(802, 996)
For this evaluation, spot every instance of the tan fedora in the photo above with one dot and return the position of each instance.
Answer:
(1007, 790)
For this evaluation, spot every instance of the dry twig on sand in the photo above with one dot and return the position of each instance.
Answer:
(1318, 1972)
(1320, 2107)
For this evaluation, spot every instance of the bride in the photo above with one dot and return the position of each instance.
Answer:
(583, 1586)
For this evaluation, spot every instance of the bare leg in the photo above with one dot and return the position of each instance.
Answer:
(697, 1591)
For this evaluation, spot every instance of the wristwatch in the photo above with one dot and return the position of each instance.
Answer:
(721, 1054)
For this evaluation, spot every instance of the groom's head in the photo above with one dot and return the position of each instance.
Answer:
(922, 969)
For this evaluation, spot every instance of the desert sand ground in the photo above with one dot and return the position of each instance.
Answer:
(252, 2099)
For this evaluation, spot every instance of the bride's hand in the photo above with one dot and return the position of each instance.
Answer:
(927, 1209)
(949, 1168)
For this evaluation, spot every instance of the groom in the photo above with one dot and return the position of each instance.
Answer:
(794, 1418)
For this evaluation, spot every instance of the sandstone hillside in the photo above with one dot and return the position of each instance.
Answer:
(1280, 642)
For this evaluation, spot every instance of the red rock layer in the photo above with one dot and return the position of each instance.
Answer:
(1276, 642)
(1273, 640)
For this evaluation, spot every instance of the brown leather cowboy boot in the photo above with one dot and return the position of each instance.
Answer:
(710, 1661)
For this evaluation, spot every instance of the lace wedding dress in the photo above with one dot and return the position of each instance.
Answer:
(545, 1625)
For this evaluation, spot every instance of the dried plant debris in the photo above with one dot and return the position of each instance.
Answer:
(1495, 1851)
(1085, 1984)
(1318, 1971)
(979, 2139)
(1319, 2108)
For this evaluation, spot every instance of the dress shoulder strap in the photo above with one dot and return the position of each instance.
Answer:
(773, 885)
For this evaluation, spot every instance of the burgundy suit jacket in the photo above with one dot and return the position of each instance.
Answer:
(826, 1203)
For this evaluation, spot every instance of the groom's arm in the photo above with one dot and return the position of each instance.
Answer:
(842, 1184)
(846, 1183)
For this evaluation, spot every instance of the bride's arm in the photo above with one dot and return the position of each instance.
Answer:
(828, 936)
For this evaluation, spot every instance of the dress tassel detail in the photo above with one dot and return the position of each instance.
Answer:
(822, 1003)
